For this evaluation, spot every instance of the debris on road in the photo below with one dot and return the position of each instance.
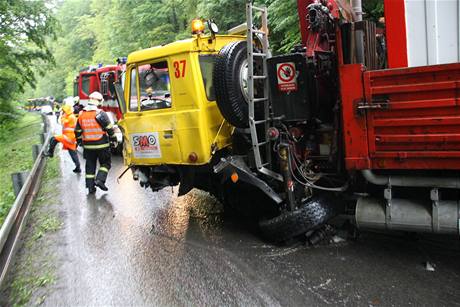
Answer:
(430, 267)
(337, 239)
(322, 235)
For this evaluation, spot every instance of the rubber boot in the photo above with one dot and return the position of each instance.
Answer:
(52, 146)
(73, 154)
(101, 185)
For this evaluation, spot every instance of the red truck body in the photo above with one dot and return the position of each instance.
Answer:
(405, 118)
(87, 83)
(100, 79)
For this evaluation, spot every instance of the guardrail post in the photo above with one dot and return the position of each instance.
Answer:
(45, 124)
(18, 181)
(36, 151)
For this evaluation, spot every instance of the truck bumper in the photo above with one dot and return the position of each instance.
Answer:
(229, 165)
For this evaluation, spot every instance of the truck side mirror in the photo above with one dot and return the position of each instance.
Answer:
(120, 97)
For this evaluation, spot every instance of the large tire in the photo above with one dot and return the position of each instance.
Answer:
(226, 78)
(311, 215)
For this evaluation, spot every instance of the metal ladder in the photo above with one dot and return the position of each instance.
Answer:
(259, 142)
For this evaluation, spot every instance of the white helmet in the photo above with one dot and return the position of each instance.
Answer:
(95, 98)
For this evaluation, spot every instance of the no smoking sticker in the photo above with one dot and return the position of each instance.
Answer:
(287, 78)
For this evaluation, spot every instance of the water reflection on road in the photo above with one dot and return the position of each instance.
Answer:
(131, 246)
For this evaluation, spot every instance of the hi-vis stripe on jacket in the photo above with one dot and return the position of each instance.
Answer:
(92, 129)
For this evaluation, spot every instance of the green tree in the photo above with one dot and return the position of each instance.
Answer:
(99, 31)
(227, 14)
(373, 9)
(284, 25)
(24, 27)
(72, 49)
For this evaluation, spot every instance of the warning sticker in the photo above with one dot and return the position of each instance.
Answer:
(287, 78)
(146, 145)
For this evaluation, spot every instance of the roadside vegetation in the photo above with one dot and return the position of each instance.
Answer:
(44, 43)
(16, 140)
(35, 267)
(25, 27)
(100, 31)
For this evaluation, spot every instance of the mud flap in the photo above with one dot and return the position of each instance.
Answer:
(187, 179)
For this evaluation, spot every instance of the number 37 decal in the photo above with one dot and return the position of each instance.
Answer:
(179, 68)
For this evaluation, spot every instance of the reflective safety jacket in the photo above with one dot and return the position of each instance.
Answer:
(67, 138)
(94, 129)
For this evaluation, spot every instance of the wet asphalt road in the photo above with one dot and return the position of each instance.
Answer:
(131, 246)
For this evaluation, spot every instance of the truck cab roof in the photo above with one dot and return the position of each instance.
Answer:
(197, 43)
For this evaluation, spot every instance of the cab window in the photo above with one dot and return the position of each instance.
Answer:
(133, 91)
(107, 86)
(154, 86)
(111, 80)
(85, 81)
(207, 66)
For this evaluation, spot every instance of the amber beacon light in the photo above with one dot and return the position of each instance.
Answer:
(197, 26)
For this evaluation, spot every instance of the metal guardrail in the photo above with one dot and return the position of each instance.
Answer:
(16, 219)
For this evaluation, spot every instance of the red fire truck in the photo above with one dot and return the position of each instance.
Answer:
(101, 78)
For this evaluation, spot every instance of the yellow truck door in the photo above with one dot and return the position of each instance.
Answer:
(150, 120)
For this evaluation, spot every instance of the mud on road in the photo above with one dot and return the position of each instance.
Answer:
(133, 247)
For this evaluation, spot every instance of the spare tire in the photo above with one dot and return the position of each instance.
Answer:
(229, 83)
(311, 215)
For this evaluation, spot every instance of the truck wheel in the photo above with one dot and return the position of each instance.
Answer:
(229, 74)
(311, 215)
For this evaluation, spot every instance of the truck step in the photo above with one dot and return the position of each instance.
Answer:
(260, 99)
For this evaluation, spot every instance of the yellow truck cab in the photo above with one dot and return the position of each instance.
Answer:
(200, 113)
(171, 124)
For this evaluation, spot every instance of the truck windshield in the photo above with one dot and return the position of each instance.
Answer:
(85, 84)
(154, 86)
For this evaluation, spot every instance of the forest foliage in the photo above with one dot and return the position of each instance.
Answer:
(99, 31)
(24, 27)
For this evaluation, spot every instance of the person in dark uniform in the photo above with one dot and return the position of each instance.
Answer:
(94, 132)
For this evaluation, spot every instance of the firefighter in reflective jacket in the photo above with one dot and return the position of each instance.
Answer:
(67, 138)
(94, 131)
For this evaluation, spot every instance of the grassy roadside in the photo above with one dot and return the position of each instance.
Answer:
(34, 271)
(16, 140)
